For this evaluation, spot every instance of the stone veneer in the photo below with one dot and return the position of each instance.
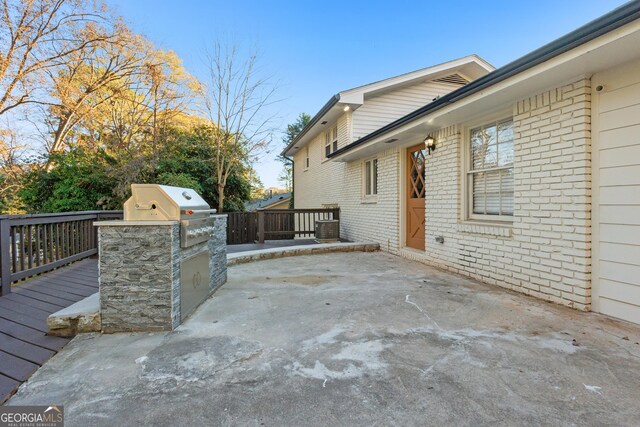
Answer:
(139, 267)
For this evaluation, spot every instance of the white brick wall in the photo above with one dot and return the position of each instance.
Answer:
(545, 253)
(373, 219)
(328, 183)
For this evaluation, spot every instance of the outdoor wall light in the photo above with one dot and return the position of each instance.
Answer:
(346, 108)
(430, 142)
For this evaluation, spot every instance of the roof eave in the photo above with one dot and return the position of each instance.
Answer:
(620, 16)
(315, 119)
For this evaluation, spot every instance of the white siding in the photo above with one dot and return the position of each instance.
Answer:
(322, 183)
(380, 110)
(616, 280)
(334, 183)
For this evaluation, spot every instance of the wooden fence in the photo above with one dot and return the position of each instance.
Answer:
(242, 227)
(275, 224)
(34, 244)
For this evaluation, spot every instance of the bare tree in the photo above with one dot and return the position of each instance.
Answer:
(11, 170)
(91, 77)
(132, 97)
(37, 35)
(169, 92)
(237, 102)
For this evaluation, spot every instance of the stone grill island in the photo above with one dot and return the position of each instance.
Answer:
(162, 261)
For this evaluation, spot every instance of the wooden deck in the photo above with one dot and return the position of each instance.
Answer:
(24, 344)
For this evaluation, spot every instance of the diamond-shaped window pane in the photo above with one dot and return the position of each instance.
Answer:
(417, 189)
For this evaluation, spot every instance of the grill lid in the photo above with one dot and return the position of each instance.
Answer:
(153, 202)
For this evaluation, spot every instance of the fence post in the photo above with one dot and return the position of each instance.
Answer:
(94, 233)
(260, 226)
(5, 257)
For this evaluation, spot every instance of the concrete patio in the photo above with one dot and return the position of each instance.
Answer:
(353, 339)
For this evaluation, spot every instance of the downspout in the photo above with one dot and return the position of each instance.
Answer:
(293, 184)
(292, 203)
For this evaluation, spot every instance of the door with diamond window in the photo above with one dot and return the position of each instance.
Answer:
(415, 196)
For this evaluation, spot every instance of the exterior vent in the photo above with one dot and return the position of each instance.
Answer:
(454, 79)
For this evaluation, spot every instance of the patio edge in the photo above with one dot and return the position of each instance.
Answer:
(323, 248)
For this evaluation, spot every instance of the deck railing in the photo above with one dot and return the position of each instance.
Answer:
(291, 223)
(34, 244)
(275, 224)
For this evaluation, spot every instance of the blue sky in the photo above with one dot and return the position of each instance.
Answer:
(316, 49)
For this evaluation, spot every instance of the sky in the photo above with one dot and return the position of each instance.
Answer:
(313, 50)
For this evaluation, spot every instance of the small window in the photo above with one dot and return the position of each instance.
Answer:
(490, 172)
(371, 177)
(306, 158)
(331, 141)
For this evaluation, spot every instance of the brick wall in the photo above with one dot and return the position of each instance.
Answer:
(337, 183)
(373, 219)
(546, 252)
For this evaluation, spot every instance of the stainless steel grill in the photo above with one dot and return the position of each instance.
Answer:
(152, 202)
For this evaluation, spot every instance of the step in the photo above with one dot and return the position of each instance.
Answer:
(83, 316)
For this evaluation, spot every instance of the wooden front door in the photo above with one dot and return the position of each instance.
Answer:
(415, 196)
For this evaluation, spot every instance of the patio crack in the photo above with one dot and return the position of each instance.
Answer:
(425, 313)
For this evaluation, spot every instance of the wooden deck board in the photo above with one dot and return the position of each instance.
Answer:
(67, 286)
(25, 320)
(74, 281)
(34, 302)
(48, 295)
(7, 385)
(24, 350)
(59, 290)
(31, 335)
(15, 367)
(24, 309)
(24, 344)
(72, 270)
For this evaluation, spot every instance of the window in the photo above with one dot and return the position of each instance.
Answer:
(331, 141)
(371, 177)
(306, 158)
(490, 173)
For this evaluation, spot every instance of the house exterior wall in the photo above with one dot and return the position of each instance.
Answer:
(373, 219)
(328, 183)
(380, 110)
(546, 252)
(321, 184)
(616, 191)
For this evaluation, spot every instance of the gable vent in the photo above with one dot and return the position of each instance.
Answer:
(455, 79)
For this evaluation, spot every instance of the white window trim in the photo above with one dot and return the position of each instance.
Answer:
(369, 198)
(327, 136)
(467, 194)
(307, 159)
